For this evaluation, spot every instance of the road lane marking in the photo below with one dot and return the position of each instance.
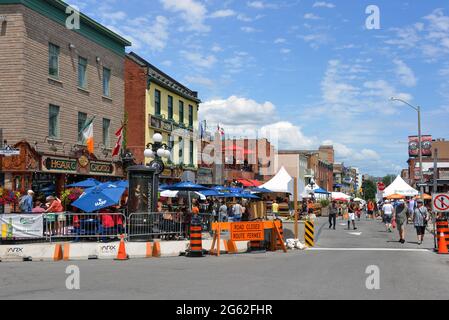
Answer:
(355, 233)
(369, 249)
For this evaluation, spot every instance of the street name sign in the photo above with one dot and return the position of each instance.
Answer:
(247, 231)
(441, 202)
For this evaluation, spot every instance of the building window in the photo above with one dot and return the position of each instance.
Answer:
(157, 102)
(106, 82)
(106, 137)
(181, 150)
(170, 108)
(53, 60)
(82, 72)
(190, 116)
(82, 119)
(191, 153)
(181, 112)
(53, 122)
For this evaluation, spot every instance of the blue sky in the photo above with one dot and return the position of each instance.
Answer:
(308, 70)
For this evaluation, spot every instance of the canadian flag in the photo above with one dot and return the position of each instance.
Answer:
(118, 145)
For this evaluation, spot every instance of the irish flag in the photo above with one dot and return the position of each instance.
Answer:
(88, 135)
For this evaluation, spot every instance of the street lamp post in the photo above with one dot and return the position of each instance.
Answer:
(418, 110)
(157, 151)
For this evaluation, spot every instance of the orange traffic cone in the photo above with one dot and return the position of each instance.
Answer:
(442, 245)
(122, 256)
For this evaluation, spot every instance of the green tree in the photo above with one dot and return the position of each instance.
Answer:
(369, 190)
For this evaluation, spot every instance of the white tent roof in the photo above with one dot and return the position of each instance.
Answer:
(399, 186)
(308, 190)
(340, 195)
(282, 182)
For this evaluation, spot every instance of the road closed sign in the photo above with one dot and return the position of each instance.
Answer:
(441, 202)
(247, 231)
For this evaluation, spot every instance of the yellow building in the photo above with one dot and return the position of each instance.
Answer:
(171, 109)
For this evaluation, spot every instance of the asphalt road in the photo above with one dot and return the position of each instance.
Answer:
(335, 269)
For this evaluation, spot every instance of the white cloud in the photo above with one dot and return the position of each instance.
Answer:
(345, 153)
(431, 36)
(405, 74)
(261, 5)
(280, 40)
(285, 51)
(167, 63)
(248, 29)
(246, 117)
(152, 34)
(216, 48)
(322, 4)
(311, 16)
(191, 11)
(223, 13)
(199, 60)
(238, 111)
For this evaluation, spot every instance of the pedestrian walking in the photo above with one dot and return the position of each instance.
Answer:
(400, 216)
(26, 202)
(420, 219)
(237, 210)
(388, 211)
(370, 208)
(333, 215)
(275, 209)
(351, 212)
(223, 212)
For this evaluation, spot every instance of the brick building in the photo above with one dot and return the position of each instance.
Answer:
(157, 103)
(52, 81)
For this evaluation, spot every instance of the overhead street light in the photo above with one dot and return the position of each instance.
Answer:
(418, 110)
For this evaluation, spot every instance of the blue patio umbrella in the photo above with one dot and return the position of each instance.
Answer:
(235, 190)
(228, 195)
(210, 193)
(246, 195)
(220, 189)
(320, 191)
(99, 198)
(187, 186)
(122, 184)
(89, 183)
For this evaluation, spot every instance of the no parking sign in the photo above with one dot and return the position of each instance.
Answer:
(441, 202)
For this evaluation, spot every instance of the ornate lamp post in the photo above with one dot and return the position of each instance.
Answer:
(157, 151)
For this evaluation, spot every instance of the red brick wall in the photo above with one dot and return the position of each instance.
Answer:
(135, 92)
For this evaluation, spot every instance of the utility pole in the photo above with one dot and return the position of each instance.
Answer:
(434, 191)
(420, 154)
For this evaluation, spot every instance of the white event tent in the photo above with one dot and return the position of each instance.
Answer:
(282, 182)
(399, 186)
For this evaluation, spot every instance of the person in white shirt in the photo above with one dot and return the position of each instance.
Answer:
(388, 210)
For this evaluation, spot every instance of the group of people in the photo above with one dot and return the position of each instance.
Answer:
(53, 208)
(350, 211)
(398, 214)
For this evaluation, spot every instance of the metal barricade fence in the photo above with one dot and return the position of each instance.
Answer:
(159, 225)
(84, 226)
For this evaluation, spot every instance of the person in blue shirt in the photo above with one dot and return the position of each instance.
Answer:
(26, 204)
